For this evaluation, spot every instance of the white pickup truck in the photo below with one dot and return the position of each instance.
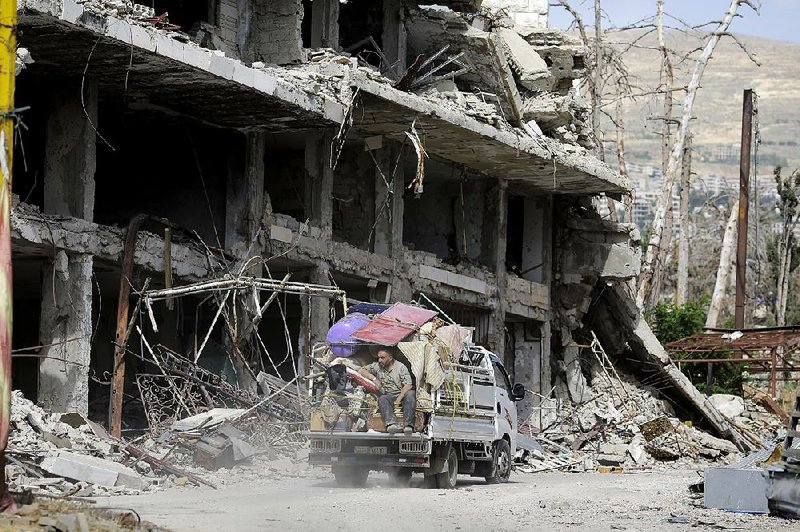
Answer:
(471, 431)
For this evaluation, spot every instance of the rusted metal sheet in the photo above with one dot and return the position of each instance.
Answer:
(767, 350)
(749, 341)
(394, 324)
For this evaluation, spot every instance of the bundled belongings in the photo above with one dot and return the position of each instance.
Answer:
(432, 402)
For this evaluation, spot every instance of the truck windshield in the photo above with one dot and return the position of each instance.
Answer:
(500, 378)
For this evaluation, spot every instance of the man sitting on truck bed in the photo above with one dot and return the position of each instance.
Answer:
(394, 381)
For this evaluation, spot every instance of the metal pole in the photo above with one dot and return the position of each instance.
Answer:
(118, 379)
(744, 207)
(8, 62)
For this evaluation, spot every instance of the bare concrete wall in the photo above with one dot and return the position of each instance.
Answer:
(353, 197)
(272, 32)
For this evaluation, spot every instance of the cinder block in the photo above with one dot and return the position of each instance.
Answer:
(197, 57)
(222, 67)
(264, 82)
(72, 11)
(736, 490)
(144, 38)
(281, 234)
(244, 75)
(169, 47)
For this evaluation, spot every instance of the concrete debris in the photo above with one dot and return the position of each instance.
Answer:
(90, 467)
(96, 465)
(119, 8)
(529, 67)
(621, 423)
(23, 59)
(728, 405)
(225, 448)
(208, 419)
(92, 470)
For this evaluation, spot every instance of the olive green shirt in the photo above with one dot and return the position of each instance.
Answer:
(392, 378)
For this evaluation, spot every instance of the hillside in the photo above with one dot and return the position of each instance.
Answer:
(718, 107)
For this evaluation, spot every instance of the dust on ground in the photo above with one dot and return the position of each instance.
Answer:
(309, 499)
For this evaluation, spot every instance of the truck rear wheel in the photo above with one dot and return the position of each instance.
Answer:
(448, 479)
(350, 476)
(501, 463)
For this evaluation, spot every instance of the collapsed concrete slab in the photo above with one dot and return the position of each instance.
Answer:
(93, 470)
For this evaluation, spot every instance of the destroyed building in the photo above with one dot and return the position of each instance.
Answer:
(388, 148)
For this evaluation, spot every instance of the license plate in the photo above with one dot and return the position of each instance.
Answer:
(365, 449)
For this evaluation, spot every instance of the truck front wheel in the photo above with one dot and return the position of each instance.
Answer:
(350, 476)
(501, 463)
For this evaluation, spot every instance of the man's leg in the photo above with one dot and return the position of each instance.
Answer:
(386, 405)
(409, 407)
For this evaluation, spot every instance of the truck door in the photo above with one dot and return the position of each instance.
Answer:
(506, 409)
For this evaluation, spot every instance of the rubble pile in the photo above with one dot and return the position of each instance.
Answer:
(66, 455)
(622, 424)
(119, 8)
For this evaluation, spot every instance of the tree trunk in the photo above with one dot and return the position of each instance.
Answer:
(623, 167)
(724, 269)
(682, 289)
(656, 233)
(784, 260)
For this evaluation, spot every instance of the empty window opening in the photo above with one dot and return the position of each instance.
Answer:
(358, 21)
(188, 14)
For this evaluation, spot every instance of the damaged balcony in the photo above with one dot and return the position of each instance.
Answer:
(149, 69)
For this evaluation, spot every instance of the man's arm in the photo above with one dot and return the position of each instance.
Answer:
(403, 391)
(405, 380)
(365, 372)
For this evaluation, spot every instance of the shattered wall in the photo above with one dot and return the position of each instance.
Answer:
(272, 32)
(533, 13)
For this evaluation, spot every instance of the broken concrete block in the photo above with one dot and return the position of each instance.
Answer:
(736, 490)
(93, 470)
(526, 63)
(728, 405)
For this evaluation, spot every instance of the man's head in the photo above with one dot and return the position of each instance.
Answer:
(385, 358)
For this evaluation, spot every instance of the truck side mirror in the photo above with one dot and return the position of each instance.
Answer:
(518, 392)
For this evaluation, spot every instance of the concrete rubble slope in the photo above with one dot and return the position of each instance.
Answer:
(618, 322)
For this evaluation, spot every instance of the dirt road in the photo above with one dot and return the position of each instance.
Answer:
(311, 500)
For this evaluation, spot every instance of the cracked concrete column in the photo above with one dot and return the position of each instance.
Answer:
(244, 205)
(388, 237)
(394, 34)
(319, 182)
(325, 24)
(245, 196)
(495, 234)
(66, 313)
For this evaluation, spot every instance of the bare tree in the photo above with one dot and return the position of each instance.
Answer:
(651, 264)
(682, 289)
(724, 269)
(789, 209)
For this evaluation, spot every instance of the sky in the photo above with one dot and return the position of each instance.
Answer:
(778, 19)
